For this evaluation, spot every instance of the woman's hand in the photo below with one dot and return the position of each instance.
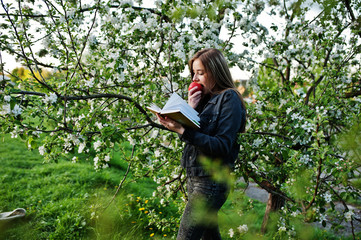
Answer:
(170, 124)
(194, 97)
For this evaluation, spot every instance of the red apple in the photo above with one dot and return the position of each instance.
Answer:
(195, 84)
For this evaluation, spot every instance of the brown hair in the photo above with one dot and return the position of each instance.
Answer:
(217, 69)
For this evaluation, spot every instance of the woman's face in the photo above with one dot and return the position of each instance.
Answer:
(200, 76)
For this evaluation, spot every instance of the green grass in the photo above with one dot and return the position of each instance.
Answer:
(66, 200)
(60, 198)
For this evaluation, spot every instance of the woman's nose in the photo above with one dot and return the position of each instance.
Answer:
(195, 77)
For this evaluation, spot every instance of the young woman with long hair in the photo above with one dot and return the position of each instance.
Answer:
(222, 115)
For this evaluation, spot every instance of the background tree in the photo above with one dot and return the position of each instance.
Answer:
(110, 59)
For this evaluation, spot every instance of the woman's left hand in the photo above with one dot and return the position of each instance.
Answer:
(170, 124)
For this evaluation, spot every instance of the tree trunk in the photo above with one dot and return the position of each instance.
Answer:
(275, 202)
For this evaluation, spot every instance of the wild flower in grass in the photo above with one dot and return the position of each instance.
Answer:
(141, 209)
(151, 235)
(243, 228)
(231, 232)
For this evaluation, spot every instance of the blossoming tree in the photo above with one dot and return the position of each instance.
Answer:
(110, 59)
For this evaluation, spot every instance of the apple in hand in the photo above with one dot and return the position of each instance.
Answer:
(195, 84)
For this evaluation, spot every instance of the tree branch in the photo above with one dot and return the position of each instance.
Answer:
(96, 96)
(266, 185)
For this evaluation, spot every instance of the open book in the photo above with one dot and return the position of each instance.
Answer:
(178, 110)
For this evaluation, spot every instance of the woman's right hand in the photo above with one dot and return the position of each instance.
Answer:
(194, 97)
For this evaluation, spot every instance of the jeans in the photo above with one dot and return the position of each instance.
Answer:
(200, 217)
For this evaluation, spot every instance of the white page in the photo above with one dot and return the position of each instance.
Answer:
(155, 107)
(175, 101)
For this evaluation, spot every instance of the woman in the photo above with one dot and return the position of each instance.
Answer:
(222, 115)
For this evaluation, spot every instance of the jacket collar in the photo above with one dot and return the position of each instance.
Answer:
(214, 98)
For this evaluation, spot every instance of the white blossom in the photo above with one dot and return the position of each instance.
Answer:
(327, 197)
(157, 45)
(131, 140)
(157, 153)
(37, 133)
(243, 228)
(17, 110)
(89, 83)
(258, 142)
(5, 109)
(348, 215)
(294, 214)
(42, 150)
(81, 147)
(96, 160)
(307, 126)
(7, 98)
(296, 116)
(322, 218)
(231, 232)
(288, 110)
(305, 159)
(97, 144)
(92, 40)
(282, 229)
(99, 125)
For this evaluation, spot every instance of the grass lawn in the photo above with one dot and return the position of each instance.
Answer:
(66, 200)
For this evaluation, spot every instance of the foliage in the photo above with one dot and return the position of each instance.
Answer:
(110, 59)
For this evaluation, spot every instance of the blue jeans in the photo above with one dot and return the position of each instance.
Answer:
(200, 216)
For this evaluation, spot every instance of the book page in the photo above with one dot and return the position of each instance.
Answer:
(154, 108)
(179, 110)
(176, 102)
(174, 99)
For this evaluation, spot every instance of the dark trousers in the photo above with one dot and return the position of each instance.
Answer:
(200, 217)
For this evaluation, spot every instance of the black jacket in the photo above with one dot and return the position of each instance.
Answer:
(221, 119)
